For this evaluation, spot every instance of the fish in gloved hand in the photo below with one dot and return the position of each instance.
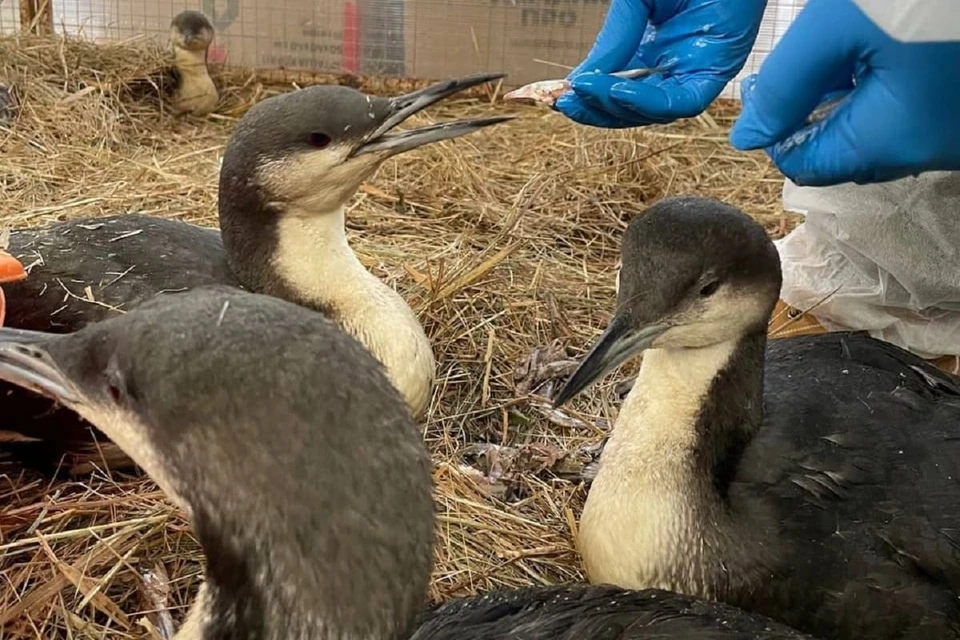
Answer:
(704, 44)
(549, 91)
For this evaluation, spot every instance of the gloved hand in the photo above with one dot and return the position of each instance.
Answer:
(702, 44)
(900, 116)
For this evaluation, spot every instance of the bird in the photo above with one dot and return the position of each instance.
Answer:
(305, 479)
(811, 479)
(289, 168)
(193, 90)
(10, 271)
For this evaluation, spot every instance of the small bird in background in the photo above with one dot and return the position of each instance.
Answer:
(191, 35)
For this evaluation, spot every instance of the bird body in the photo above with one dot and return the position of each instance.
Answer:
(123, 259)
(810, 479)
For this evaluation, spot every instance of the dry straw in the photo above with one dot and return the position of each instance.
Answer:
(505, 241)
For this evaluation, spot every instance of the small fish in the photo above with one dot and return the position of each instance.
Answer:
(549, 91)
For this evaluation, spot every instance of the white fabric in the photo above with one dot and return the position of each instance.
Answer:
(915, 20)
(883, 258)
(891, 253)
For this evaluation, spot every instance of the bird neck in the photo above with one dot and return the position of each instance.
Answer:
(196, 91)
(314, 259)
(657, 514)
(188, 61)
(305, 258)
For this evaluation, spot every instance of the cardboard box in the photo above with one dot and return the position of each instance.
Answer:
(446, 38)
(311, 35)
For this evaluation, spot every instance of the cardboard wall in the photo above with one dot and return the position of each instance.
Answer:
(315, 35)
(415, 38)
(446, 38)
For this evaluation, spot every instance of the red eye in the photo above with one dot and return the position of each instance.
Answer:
(319, 140)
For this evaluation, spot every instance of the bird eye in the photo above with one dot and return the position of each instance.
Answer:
(710, 288)
(114, 391)
(117, 385)
(319, 140)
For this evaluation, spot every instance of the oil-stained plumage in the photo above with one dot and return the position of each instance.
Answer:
(305, 479)
(813, 479)
(289, 168)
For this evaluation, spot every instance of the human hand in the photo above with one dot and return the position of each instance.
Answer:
(697, 45)
(902, 81)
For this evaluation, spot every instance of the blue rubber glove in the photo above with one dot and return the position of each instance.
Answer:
(900, 116)
(700, 45)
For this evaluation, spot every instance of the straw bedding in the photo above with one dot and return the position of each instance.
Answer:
(505, 242)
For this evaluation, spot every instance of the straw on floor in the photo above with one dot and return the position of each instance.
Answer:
(505, 242)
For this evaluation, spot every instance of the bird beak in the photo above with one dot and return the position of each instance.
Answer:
(619, 343)
(402, 107)
(25, 362)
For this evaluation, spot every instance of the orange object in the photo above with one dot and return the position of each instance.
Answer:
(10, 271)
(10, 268)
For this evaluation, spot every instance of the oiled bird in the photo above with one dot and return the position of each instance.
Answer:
(289, 169)
(812, 479)
(305, 479)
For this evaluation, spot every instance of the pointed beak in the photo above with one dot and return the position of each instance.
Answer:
(25, 362)
(403, 107)
(618, 344)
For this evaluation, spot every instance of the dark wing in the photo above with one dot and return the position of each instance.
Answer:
(84, 271)
(594, 612)
(859, 464)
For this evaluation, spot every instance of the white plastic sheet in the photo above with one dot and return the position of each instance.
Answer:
(883, 258)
